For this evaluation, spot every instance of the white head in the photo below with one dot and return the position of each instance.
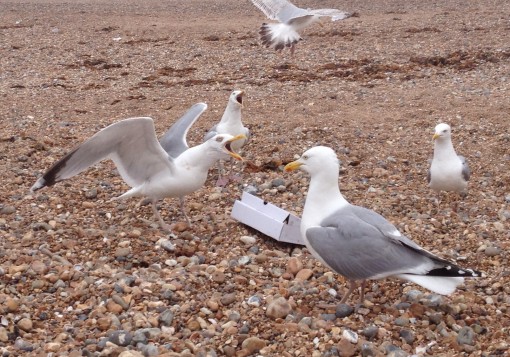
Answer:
(220, 145)
(442, 131)
(316, 160)
(236, 97)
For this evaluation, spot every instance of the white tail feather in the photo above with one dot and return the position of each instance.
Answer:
(443, 285)
(279, 35)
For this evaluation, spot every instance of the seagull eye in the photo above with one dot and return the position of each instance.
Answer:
(305, 157)
(219, 139)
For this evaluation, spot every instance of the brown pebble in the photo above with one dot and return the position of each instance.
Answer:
(218, 276)
(253, 344)
(346, 348)
(228, 299)
(278, 308)
(294, 265)
(25, 324)
(113, 307)
(11, 304)
(304, 274)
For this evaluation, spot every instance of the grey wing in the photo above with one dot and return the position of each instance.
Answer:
(333, 13)
(272, 8)
(212, 132)
(174, 140)
(358, 250)
(130, 143)
(466, 172)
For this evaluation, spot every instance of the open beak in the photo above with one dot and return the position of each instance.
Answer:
(228, 146)
(435, 136)
(239, 98)
(291, 166)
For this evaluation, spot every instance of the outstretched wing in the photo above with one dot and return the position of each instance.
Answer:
(280, 10)
(131, 144)
(174, 140)
(333, 13)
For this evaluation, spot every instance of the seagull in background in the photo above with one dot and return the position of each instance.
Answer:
(291, 20)
(448, 171)
(232, 124)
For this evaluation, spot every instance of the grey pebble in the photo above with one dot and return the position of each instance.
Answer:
(401, 321)
(7, 210)
(244, 329)
(307, 320)
(166, 318)
(167, 245)
(328, 317)
(251, 189)
(121, 338)
(148, 350)
(466, 336)
(367, 350)
(370, 331)
(408, 336)
(397, 353)
(278, 182)
(492, 251)
(90, 194)
(23, 345)
(244, 260)
(234, 316)
(343, 310)
(433, 300)
(254, 300)
(228, 299)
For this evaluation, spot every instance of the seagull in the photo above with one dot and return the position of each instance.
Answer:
(291, 19)
(143, 162)
(231, 123)
(357, 242)
(448, 171)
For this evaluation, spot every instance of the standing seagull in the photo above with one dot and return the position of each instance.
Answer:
(230, 123)
(357, 242)
(448, 171)
(142, 162)
(291, 19)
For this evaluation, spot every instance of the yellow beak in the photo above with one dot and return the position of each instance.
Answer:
(229, 149)
(291, 166)
(435, 136)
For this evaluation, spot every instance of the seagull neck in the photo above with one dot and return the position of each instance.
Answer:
(443, 149)
(232, 112)
(198, 157)
(324, 193)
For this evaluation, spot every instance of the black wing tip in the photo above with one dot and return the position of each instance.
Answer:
(50, 177)
(452, 270)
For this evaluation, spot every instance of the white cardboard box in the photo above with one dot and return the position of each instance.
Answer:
(267, 218)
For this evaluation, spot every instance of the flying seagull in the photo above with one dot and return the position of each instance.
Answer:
(232, 124)
(142, 161)
(448, 171)
(358, 243)
(291, 20)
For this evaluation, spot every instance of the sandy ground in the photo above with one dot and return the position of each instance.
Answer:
(372, 87)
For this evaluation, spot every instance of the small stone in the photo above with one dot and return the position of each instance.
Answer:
(113, 307)
(11, 304)
(294, 265)
(122, 252)
(278, 308)
(25, 324)
(408, 336)
(466, 336)
(148, 350)
(278, 182)
(121, 338)
(401, 321)
(7, 210)
(343, 310)
(350, 336)
(90, 194)
(367, 350)
(104, 323)
(248, 240)
(244, 260)
(52, 347)
(254, 300)
(417, 310)
(23, 345)
(167, 245)
(492, 251)
(218, 276)
(228, 299)
(304, 274)
(253, 344)
(166, 317)
(3, 335)
(370, 332)
(397, 352)
(214, 196)
(346, 348)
